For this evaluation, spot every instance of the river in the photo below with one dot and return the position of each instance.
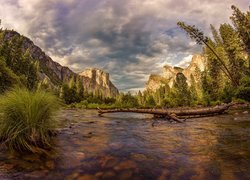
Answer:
(127, 146)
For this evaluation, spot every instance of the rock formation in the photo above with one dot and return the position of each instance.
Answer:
(96, 80)
(168, 75)
(92, 79)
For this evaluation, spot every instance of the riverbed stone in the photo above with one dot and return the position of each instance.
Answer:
(108, 175)
(108, 161)
(138, 157)
(128, 164)
(87, 177)
(37, 174)
(127, 174)
(72, 160)
(115, 145)
(6, 167)
(99, 174)
(50, 164)
(245, 112)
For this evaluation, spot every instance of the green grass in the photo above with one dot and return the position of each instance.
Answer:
(27, 119)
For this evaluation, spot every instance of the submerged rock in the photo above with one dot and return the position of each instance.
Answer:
(126, 165)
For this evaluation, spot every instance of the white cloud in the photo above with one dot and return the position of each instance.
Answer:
(185, 62)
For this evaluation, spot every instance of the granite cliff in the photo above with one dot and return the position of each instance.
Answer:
(168, 74)
(57, 74)
(96, 79)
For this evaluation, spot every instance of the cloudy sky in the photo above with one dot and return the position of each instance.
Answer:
(130, 39)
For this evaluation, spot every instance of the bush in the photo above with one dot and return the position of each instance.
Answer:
(27, 119)
(243, 93)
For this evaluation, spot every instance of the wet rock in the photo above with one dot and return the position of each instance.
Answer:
(89, 135)
(127, 174)
(79, 155)
(73, 176)
(108, 161)
(139, 157)
(245, 112)
(126, 165)
(99, 174)
(235, 119)
(69, 133)
(236, 113)
(50, 164)
(164, 175)
(90, 122)
(108, 175)
(87, 177)
(6, 167)
(72, 160)
(37, 174)
(115, 145)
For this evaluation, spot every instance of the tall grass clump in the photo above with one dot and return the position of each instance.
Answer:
(27, 119)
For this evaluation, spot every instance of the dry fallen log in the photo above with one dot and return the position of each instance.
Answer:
(173, 114)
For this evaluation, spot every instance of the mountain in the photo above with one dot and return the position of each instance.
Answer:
(98, 80)
(168, 74)
(55, 73)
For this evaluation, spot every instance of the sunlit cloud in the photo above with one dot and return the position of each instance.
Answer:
(130, 40)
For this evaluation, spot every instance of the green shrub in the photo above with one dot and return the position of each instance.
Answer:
(27, 119)
(243, 93)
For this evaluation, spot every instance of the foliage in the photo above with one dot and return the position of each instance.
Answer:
(24, 68)
(28, 119)
(198, 35)
(243, 93)
(7, 78)
(69, 95)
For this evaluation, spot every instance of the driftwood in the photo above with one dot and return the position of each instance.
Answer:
(174, 114)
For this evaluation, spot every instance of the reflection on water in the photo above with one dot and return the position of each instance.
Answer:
(126, 146)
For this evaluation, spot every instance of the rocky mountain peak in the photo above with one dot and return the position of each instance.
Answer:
(169, 73)
(99, 80)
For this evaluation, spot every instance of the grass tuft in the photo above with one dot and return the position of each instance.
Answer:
(27, 119)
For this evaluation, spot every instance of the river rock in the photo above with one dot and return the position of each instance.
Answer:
(108, 175)
(115, 145)
(37, 174)
(6, 167)
(126, 165)
(138, 157)
(50, 164)
(127, 174)
(108, 161)
(99, 174)
(72, 160)
(245, 112)
(87, 177)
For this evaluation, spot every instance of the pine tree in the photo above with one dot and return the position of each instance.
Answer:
(233, 48)
(241, 22)
(182, 91)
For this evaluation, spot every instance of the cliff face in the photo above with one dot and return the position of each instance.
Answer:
(98, 80)
(168, 75)
(58, 74)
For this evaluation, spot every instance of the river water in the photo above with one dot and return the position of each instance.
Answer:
(127, 146)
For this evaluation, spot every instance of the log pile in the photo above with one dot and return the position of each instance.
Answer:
(173, 114)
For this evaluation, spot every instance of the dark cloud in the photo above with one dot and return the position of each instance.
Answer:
(129, 39)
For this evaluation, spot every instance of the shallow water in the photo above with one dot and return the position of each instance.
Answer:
(127, 146)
